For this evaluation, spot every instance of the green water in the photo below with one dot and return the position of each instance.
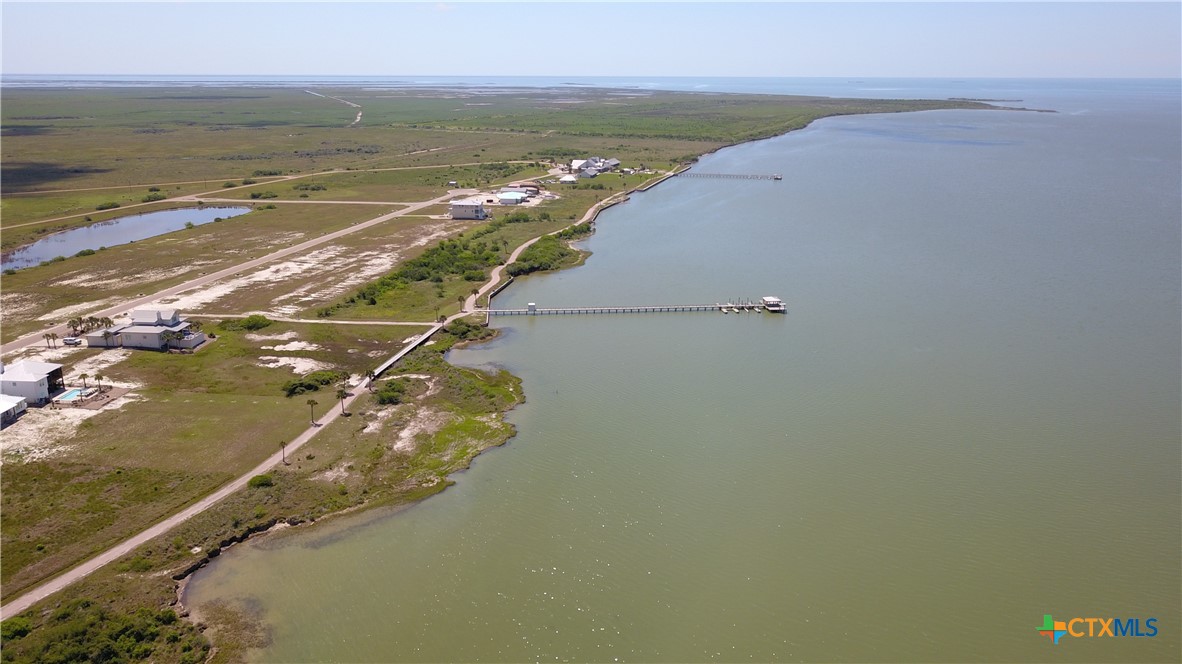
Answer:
(968, 419)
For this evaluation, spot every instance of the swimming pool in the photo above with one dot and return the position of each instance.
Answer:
(69, 395)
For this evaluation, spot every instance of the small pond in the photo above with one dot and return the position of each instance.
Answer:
(114, 232)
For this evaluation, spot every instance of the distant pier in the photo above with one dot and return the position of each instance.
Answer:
(728, 176)
(738, 307)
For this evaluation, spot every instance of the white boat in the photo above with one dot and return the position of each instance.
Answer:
(774, 305)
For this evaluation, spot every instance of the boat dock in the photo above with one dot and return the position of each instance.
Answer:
(773, 305)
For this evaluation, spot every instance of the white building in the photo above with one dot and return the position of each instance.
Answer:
(31, 380)
(149, 325)
(568, 179)
(11, 407)
(467, 208)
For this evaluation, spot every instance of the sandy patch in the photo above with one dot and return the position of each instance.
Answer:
(43, 354)
(66, 313)
(425, 421)
(98, 364)
(376, 418)
(114, 278)
(294, 345)
(299, 365)
(332, 475)
(43, 433)
(15, 304)
(290, 334)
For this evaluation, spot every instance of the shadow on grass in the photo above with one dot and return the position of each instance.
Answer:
(21, 176)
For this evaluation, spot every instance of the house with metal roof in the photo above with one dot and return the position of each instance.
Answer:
(31, 380)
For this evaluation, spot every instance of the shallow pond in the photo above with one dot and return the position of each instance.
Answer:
(114, 232)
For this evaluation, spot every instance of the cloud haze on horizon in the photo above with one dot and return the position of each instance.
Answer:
(997, 39)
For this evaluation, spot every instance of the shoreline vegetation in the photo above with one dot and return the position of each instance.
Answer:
(422, 421)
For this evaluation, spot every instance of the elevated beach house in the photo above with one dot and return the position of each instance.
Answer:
(467, 208)
(150, 328)
(31, 380)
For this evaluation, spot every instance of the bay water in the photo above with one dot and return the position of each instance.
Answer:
(968, 419)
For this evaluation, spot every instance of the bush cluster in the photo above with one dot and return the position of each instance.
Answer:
(83, 631)
(391, 392)
(250, 323)
(545, 254)
(313, 382)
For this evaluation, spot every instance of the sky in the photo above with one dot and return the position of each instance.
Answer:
(832, 39)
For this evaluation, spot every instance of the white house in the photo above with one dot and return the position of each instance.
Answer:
(467, 208)
(568, 179)
(149, 325)
(31, 380)
(11, 407)
(98, 338)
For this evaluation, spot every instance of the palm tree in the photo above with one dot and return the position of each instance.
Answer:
(84, 377)
(74, 324)
(107, 335)
(53, 338)
(168, 336)
(369, 377)
(98, 381)
(195, 326)
(283, 451)
(46, 337)
(106, 322)
(312, 403)
(341, 394)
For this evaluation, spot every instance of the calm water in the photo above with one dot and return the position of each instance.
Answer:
(969, 418)
(115, 232)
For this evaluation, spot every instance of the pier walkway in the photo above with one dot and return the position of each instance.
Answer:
(727, 308)
(728, 176)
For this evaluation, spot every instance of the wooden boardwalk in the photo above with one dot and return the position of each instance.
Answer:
(604, 310)
(742, 306)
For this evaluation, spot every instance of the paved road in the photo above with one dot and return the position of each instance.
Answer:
(36, 338)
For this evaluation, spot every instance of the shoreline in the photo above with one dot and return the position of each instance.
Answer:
(182, 576)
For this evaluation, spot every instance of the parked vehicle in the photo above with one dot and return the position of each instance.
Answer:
(72, 341)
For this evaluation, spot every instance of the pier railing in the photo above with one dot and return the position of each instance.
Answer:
(664, 308)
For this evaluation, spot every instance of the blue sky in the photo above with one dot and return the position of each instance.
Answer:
(993, 39)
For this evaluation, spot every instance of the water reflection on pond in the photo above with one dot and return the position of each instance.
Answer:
(114, 232)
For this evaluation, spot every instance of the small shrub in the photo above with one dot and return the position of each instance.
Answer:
(86, 252)
(255, 322)
(260, 481)
(153, 197)
(248, 181)
(106, 206)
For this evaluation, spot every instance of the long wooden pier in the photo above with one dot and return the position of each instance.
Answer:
(745, 306)
(728, 176)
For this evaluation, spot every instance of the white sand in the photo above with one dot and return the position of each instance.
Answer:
(294, 345)
(66, 313)
(290, 334)
(299, 365)
(41, 433)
